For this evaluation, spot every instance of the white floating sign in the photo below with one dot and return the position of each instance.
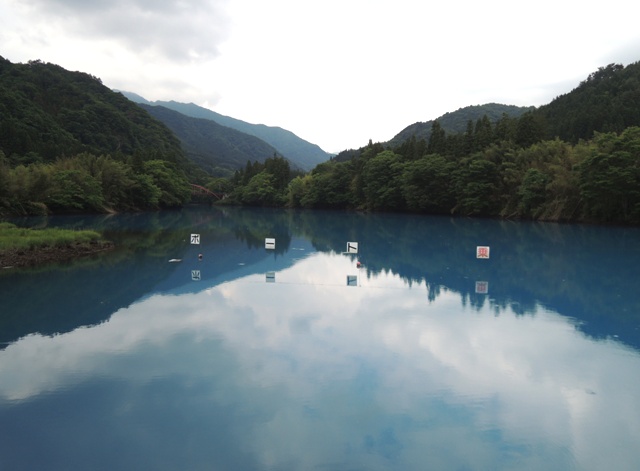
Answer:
(482, 252)
(352, 247)
(271, 277)
(482, 287)
(195, 238)
(352, 280)
(195, 275)
(269, 244)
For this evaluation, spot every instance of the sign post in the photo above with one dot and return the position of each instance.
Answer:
(482, 252)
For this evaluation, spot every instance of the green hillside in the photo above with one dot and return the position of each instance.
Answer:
(67, 143)
(217, 149)
(47, 112)
(457, 121)
(70, 144)
(607, 101)
(576, 159)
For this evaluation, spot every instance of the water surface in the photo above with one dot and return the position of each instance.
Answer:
(424, 357)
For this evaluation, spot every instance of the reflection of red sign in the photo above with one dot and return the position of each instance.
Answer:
(482, 287)
(482, 252)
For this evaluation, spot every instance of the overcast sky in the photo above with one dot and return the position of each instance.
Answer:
(336, 73)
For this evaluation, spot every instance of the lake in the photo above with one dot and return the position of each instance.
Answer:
(272, 345)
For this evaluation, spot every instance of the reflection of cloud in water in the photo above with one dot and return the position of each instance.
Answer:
(375, 370)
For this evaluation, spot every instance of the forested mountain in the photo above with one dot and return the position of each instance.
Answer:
(607, 101)
(457, 121)
(298, 151)
(217, 149)
(47, 112)
(529, 166)
(68, 143)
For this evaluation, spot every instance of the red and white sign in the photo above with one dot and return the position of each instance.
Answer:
(482, 252)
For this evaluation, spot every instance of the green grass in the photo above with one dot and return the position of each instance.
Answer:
(12, 237)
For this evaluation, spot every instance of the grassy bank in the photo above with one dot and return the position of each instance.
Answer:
(12, 237)
(27, 247)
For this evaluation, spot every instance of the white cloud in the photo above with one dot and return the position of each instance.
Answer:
(322, 363)
(337, 73)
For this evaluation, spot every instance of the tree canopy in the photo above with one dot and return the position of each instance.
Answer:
(69, 144)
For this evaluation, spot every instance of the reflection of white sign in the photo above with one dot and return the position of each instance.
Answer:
(482, 287)
(195, 238)
(352, 280)
(482, 252)
(352, 247)
(271, 277)
(195, 275)
(270, 244)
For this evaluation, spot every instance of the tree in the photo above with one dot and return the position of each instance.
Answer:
(532, 193)
(426, 185)
(144, 194)
(610, 177)
(260, 191)
(173, 185)
(483, 133)
(529, 130)
(437, 139)
(476, 182)
(75, 190)
(296, 191)
(382, 182)
(279, 168)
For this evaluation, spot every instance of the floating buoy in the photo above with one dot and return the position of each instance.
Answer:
(199, 256)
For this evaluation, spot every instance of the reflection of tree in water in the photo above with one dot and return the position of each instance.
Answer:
(532, 264)
(104, 283)
(585, 272)
(254, 226)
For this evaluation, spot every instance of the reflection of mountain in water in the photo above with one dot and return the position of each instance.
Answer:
(588, 273)
(60, 298)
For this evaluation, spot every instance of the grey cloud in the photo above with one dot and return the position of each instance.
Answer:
(179, 30)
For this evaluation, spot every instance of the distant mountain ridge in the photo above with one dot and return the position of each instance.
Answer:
(300, 152)
(455, 122)
(216, 149)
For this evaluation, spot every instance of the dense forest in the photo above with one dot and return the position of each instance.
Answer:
(456, 122)
(68, 143)
(575, 159)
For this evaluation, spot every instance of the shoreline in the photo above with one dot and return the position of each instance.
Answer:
(23, 258)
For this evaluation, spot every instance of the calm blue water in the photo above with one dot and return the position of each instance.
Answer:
(423, 358)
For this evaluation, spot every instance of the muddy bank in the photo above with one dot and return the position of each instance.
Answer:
(18, 258)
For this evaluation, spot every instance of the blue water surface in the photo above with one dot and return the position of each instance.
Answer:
(411, 354)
